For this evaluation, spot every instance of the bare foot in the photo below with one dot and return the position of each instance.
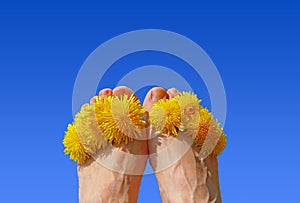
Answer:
(100, 184)
(187, 178)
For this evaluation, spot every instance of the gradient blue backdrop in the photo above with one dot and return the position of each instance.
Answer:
(254, 44)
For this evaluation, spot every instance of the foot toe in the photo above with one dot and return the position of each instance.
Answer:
(105, 92)
(172, 92)
(153, 96)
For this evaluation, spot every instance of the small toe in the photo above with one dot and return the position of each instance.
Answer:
(172, 92)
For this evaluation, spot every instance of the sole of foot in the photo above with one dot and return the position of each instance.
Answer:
(99, 183)
(188, 178)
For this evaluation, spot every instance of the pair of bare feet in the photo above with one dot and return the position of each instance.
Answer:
(189, 179)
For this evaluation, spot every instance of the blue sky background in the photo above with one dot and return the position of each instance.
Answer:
(254, 44)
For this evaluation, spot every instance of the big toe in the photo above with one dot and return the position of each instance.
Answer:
(153, 96)
(138, 146)
(122, 90)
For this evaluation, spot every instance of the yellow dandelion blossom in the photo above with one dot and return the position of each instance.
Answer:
(121, 119)
(165, 116)
(220, 145)
(189, 106)
(184, 113)
(88, 129)
(73, 146)
(199, 123)
(209, 134)
(205, 118)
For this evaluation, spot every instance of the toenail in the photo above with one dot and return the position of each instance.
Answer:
(157, 95)
(106, 92)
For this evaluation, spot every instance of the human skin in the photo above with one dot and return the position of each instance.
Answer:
(99, 184)
(189, 179)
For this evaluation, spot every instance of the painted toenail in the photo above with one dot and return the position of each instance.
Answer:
(106, 92)
(157, 95)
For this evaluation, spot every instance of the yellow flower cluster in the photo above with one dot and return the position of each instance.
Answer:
(165, 117)
(111, 119)
(73, 146)
(184, 113)
(119, 120)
